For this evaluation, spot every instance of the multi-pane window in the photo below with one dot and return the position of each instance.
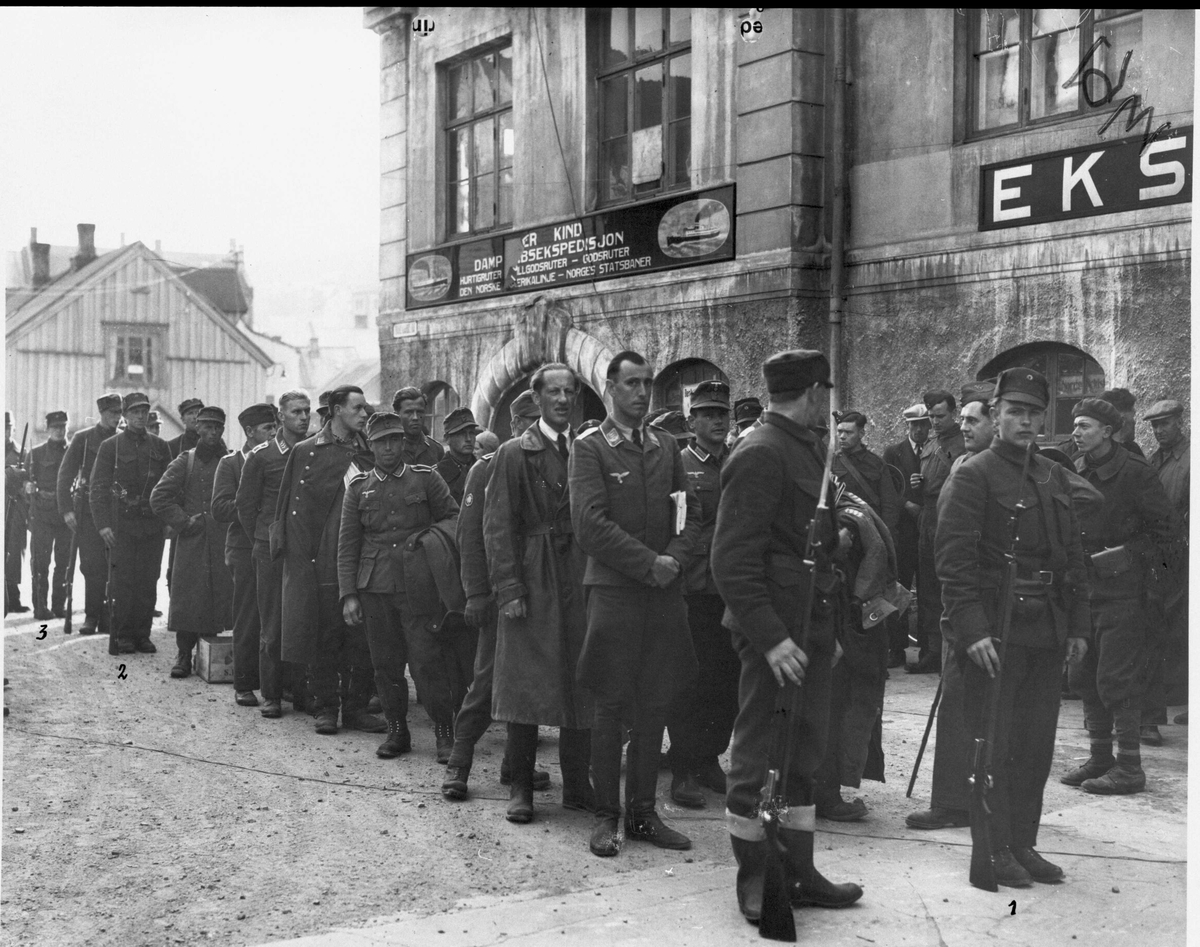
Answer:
(644, 83)
(1071, 374)
(1030, 66)
(133, 361)
(480, 142)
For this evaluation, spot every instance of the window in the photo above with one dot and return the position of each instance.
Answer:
(1032, 66)
(588, 407)
(1072, 375)
(135, 357)
(440, 400)
(480, 142)
(644, 102)
(680, 378)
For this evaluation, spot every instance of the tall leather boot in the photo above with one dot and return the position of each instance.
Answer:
(749, 842)
(522, 749)
(40, 611)
(807, 887)
(606, 774)
(574, 756)
(186, 644)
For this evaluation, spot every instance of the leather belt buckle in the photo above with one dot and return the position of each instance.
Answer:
(1044, 576)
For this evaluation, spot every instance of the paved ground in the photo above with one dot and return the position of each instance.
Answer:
(149, 811)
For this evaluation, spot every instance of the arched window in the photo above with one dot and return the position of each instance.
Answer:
(440, 400)
(588, 406)
(1071, 372)
(679, 378)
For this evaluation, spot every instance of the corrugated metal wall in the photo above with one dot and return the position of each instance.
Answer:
(62, 362)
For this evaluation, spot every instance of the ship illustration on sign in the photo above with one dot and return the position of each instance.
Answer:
(429, 278)
(694, 228)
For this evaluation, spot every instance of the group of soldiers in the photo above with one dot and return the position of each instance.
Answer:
(684, 575)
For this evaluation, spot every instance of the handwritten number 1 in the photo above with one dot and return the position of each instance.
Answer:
(41, 633)
(1013, 905)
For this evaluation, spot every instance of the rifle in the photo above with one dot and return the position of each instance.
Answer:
(983, 872)
(777, 922)
(937, 698)
(67, 626)
(12, 499)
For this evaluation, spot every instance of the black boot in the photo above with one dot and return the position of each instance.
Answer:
(183, 660)
(750, 850)
(574, 756)
(807, 886)
(443, 735)
(606, 775)
(522, 749)
(398, 741)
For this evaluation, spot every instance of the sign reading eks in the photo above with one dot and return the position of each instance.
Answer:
(1085, 182)
(683, 230)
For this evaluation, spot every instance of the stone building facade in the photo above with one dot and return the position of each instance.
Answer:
(518, 144)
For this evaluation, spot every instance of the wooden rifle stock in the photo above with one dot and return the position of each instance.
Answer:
(70, 616)
(983, 871)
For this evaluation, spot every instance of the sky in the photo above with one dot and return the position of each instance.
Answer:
(195, 127)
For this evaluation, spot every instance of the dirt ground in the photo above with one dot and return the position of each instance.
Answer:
(146, 810)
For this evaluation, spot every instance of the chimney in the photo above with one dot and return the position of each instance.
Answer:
(87, 246)
(158, 248)
(41, 264)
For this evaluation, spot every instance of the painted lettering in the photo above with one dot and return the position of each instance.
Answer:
(1081, 175)
(1173, 168)
(1000, 193)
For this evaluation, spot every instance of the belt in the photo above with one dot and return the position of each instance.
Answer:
(1044, 576)
(552, 529)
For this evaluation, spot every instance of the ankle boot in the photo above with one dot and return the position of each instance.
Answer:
(749, 843)
(807, 886)
(186, 644)
(574, 756)
(443, 736)
(522, 749)
(398, 739)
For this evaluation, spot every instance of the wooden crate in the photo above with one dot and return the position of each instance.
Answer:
(214, 659)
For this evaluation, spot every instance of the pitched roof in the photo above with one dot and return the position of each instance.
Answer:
(223, 286)
(24, 305)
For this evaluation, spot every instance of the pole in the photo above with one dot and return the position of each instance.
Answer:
(837, 257)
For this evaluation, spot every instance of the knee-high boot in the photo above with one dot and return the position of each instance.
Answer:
(807, 887)
(522, 748)
(749, 843)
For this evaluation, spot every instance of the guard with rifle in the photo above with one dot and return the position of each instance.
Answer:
(127, 468)
(16, 516)
(771, 558)
(75, 508)
(1015, 590)
(49, 535)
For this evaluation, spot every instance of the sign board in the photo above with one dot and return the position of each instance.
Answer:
(683, 230)
(1105, 178)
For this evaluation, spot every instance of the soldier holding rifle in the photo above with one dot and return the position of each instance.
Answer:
(770, 487)
(1007, 505)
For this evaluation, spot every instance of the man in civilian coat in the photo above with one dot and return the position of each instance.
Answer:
(202, 603)
(627, 486)
(308, 517)
(475, 714)
(770, 487)
(259, 423)
(536, 570)
(49, 535)
(127, 468)
(906, 458)
(74, 505)
(257, 499)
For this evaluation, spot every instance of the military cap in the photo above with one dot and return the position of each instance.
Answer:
(459, 420)
(977, 391)
(524, 406)
(407, 394)
(211, 413)
(135, 399)
(383, 423)
(257, 414)
(1168, 408)
(796, 370)
(189, 405)
(109, 402)
(916, 412)
(1023, 385)
(674, 424)
(1103, 411)
(710, 394)
(747, 409)
(56, 417)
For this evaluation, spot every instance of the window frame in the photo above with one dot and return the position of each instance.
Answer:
(664, 55)
(452, 126)
(153, 356)
(1020, 356)
(1087, 28)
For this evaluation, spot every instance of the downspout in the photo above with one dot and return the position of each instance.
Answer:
(837, 273)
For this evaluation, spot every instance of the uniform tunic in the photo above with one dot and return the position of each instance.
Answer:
(1050, 605)
(455, 475)
(202, 599)
(16, 524)
(73, 497)
(425, 452)
(770, 486)
(903, 459)
(867, 475)
(127, 468)
(937, 459)
(239, 559)
(49, 534)
(532, 555)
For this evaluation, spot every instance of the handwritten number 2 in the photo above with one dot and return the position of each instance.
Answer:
(121, 671)
(1013, 905)
(41, 633)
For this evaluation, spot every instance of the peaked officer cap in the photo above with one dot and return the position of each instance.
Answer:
(796, 370)
(711, 394)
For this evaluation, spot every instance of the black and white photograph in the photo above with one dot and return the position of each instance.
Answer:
(650, 476)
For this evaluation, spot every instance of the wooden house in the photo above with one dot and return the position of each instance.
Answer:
(122, 321)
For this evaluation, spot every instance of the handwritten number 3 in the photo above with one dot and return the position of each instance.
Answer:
(41, 633)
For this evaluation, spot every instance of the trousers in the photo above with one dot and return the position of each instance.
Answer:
(700, 723)
(93, 563)
(475, 714)
(246, 621)
(341, 673)
(136, 562)
(268, 576)
(50, 538)
(952, 743)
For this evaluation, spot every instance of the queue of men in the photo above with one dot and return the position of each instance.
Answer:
(708, 577)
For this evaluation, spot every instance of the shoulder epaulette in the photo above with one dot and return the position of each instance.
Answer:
(257, 447)
(422, 468)
(360, 475)
(488, 457)
(588, 433)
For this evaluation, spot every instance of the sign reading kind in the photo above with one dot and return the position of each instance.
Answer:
(1085, 182)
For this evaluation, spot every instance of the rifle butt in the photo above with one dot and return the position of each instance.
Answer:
(777, 921)
(983, 872)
